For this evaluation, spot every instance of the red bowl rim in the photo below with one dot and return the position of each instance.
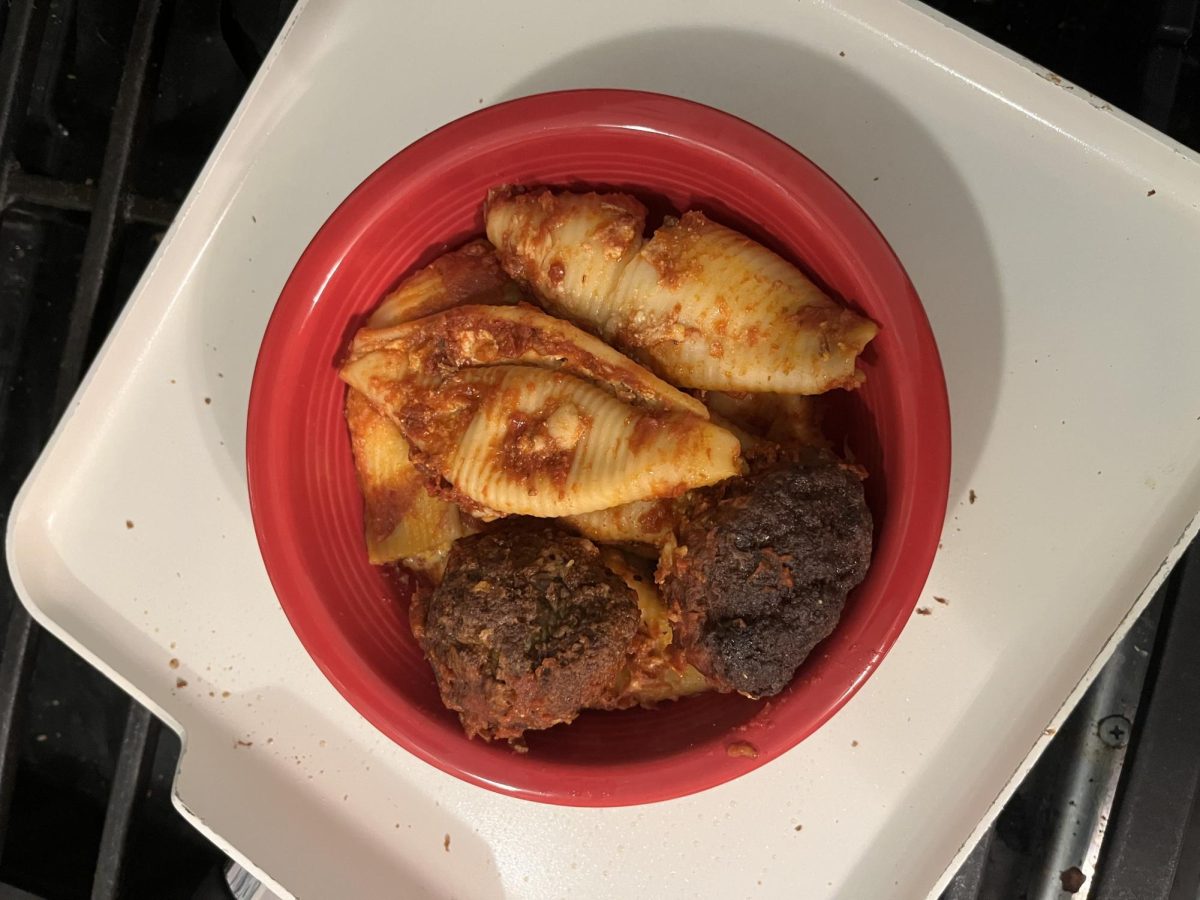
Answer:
(928, 450)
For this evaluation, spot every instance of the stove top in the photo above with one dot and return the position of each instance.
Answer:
(107, 112)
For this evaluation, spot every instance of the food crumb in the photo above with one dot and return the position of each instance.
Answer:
(924, 611)
(971, 496)
(854, 743)
(798, 828)
(129, 523)
(942, 600)
(1072, 879)
(841, 53)
(254, 220)
(1049, 731)
(743, 749)
(270, 740)
(180, 683)
(446, 843)
(41, 738)
(240, 743)
(1151, 192)
(208, 401)
(174, 663)
(224, 694)
(320, 743)
(876, 178)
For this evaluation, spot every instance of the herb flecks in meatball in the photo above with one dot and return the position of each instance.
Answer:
(762, 571)
(527, 627)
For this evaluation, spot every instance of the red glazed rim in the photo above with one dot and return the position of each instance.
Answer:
(905, 401)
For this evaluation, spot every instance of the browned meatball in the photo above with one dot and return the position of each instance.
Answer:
(769, 560)
(527, 627)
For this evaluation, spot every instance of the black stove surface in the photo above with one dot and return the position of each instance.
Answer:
(109, 109)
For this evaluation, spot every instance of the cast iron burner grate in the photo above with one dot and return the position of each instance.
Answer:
(107, 113)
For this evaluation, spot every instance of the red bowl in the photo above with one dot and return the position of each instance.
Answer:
(307, 511)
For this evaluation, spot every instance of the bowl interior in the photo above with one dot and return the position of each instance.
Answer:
(675, 156)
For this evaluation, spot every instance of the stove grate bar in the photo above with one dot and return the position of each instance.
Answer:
(1164, 61)
(20, 648)
(104, 228)
(129, 785)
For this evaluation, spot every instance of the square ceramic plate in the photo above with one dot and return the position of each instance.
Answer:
(1053, 241)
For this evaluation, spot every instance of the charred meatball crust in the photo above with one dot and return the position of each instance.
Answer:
(762, 572)
(527, 627)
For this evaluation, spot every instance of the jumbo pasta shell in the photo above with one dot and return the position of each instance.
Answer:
(520, 440)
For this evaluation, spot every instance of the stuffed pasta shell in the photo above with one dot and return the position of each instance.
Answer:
(655, 668)
(646, 522)
(789, 419)
(471, 274)
(475, 335)
(520, 440)
(402, 520)
(700, 304)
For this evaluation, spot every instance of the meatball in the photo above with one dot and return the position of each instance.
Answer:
(527, 627)
(763, 570)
